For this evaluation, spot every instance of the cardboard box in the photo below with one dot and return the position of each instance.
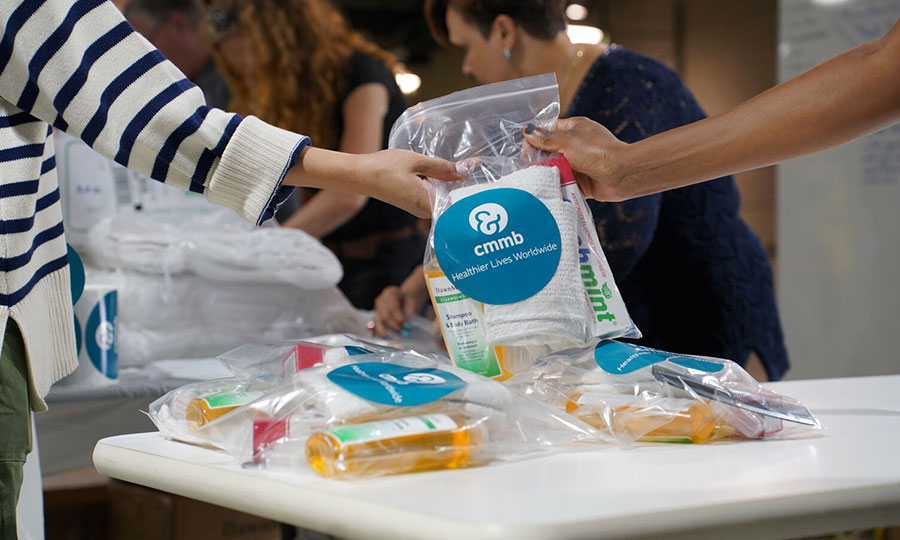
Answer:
(136, 512)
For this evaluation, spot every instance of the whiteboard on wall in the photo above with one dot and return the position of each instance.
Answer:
(839, 214)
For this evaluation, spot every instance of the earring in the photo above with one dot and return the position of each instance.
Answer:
(507, 53)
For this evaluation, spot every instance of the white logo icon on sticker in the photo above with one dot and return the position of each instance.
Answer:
(488, 218)
(414, 378)
(105, 336)
(424, 378)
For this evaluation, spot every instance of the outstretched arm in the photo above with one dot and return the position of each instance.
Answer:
(392, 176)
(852, 94)
(77, 64)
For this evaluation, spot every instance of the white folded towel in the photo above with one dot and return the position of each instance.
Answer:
(555, 315)
(542, 182)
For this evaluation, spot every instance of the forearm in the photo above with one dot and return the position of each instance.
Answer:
(326, 169)
(415, 285)
(325, 212)
(853, 94)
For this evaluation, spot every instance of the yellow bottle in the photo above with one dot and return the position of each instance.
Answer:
(202, 410)
(694, 423)
(401, 445)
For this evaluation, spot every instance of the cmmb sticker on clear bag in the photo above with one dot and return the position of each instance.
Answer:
(513, 264)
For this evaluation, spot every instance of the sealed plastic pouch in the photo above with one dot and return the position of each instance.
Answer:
(192, 413)
(390, 413)
(513, 263)
(636, 393)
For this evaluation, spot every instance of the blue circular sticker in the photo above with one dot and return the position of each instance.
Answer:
(100, 336)
(77, 336)
(620, 358)
(76, 274)
(390, 384)
(498, 246)
(699, 364)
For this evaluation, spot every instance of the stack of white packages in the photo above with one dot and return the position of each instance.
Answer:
(197, 290)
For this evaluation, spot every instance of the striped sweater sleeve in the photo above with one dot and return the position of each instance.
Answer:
(81, 67)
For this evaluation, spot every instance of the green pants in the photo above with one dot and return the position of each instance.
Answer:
(15, 426)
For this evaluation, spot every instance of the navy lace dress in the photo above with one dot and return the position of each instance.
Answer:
(694, 276)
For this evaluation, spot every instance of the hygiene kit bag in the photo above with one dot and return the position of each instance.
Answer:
(348, 414)
(513, 264)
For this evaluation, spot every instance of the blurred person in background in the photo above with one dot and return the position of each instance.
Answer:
(79, 67)
(694, 276)
(298, 65)
(175, 27)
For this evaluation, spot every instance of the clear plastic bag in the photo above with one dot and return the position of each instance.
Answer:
(188, 316)
(284, 360)
(215, 252)
(371, 415)
(636, 393)
(513, 263)
(190, 413)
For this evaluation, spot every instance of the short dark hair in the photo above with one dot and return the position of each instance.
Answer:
(160, 9)
(542, 19)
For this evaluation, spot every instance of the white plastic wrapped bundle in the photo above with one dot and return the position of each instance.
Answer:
(187, 316)
(215, 252)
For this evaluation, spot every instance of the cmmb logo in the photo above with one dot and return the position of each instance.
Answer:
(488, 218)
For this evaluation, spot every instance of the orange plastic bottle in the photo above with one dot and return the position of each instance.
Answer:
(203, 410)
(401, 445)
(688, 421)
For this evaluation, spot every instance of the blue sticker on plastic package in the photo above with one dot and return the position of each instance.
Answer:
(390, 384)
(77, 336)
(498, 246)
(620, 358)
(353, 350)
(699, 364)
(76, 274)
(100, 336)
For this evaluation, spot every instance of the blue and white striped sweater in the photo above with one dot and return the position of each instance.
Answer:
(79, 66)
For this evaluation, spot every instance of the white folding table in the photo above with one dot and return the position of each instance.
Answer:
(845, 477)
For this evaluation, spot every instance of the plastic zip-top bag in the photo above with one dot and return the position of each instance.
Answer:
(513, 263)
(636, 393)
(349, 415)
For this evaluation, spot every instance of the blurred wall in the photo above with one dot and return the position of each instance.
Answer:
(724, 51)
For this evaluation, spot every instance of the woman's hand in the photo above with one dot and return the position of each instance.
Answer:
(393, 176)
(395, 304)
(592, 151)
(396, 177)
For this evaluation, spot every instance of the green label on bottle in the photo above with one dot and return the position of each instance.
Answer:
(462, 324)
(231, 399)
(389, 429)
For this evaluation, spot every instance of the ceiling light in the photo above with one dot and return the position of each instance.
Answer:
(576, 12)
(584, 34)
(408, 82)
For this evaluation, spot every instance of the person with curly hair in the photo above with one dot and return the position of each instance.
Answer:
(78, 66)
(297, 64)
